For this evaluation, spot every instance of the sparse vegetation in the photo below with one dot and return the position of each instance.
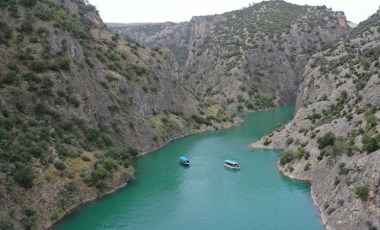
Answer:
(362, 192)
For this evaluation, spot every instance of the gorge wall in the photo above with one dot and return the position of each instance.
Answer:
(251, 58)
(78, 102)
(334, 139)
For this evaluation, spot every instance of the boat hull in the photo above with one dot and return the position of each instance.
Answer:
(184, 163)
(231, 167)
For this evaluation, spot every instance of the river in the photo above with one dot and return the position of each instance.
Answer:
(206, 195)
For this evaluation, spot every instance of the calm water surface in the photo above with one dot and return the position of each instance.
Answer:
(207, 195)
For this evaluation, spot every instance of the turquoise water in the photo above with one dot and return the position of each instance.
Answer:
(206, 195)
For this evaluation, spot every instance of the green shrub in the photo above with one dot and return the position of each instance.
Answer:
(24, 176)
(43, 11)
(36, 151)
(38, 66)
(10, 78)
(28, 2)
(307, 167)
(13, 10)
(286, 157)
(267, 142)
(30, 219)
(40, 109)
(86, 159)
(249, 104)
(107, 140)
(366, 64)
(92, 134)
(200, 120)
(63, 151)
(362, 192)
(342, 169)
(289, 141)
(6, 32)
(133, 151)
(98, 174)
(371, 144)
(371, 121)
(109, 164)
(59, 165)
(62, 63)
(326, 140)
(54, 216)
(26, 27)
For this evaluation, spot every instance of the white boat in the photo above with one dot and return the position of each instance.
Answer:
(231, 164)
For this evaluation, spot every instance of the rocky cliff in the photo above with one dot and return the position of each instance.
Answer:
(251, 58)
(334, 139)
(77, 102)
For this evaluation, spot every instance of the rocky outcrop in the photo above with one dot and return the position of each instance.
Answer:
(77, 104)
(249, 58)
(334, 139)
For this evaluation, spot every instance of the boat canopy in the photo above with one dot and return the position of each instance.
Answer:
(231, 162)
(183, 158)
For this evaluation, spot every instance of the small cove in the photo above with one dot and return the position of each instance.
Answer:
(206, 195)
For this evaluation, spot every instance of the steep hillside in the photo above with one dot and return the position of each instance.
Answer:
(251, 58)
(334, 139)
(76, 104)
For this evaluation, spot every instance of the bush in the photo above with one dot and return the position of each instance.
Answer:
(86, 159)
(6, 32)
(200, 120)
(92, 134)
(267, 142)
(43, 11)
(362, 192)
(40, 109)
(62, 63)
(307, 167)
(59, 165)
(133, 151)
(54, 216)
(26, 27)
(326, 140)
(30, 220)
(249, 104)
(286, 157)
(98, 174)
(10, 78)
(289, 141)
(371, 144)
(24, 176)
(342, 169)
(37, 66)
(28, 2)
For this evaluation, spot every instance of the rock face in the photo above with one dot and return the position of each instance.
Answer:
(334, 139)
(77, 102)
(252, 57)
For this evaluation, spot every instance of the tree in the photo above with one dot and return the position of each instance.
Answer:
(24, 176)
(326, 140)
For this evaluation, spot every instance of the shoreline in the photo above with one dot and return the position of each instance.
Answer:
(234, 124)
(113, 190)
(257, 145)
(71, 210)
